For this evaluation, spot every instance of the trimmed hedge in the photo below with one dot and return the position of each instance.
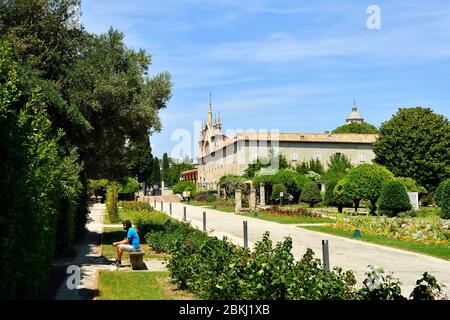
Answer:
(43, 209)
(311, 194)
(443, 198)
(111, 203)
(393, 199)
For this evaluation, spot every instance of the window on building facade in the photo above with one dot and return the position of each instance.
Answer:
(294, 156)
(362, 157)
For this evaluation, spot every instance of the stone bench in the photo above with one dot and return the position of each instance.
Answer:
(137, 260)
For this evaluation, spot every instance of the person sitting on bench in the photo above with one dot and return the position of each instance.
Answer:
(130, 243)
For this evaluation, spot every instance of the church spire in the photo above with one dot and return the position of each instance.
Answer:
(210, 112)
(210, 106)
(219, 125)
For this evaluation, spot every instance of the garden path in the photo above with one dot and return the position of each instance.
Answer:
(90, 260)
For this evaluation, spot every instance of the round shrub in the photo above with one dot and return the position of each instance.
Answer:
(334, 199)
(443, 198)
(394, 199)
(311, 194)
(183, 186)
(427, 199)
(276, 189)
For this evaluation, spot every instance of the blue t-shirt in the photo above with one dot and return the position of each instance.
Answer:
(133, 237)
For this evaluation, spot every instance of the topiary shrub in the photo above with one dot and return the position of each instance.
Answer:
(394, 199)
(443, 198)
(276, 189)
(111, 203)
(311, 194)
(334, 199)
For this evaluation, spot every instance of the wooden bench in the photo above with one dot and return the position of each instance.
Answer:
(137, 260)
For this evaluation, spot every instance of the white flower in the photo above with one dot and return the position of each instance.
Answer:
(374, 278)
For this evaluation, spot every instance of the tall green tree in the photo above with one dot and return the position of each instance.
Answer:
(165, 167)
(415, 143)
(338, 166)
(339, 163)
(175, 171)
(312, 165)
(156, 172)
(96, 88)
(140, 160)
(110, 84)
(47, 49)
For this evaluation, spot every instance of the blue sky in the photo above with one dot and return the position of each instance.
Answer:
(295, 66)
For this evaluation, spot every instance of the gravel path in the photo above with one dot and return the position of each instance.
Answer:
(90, 260)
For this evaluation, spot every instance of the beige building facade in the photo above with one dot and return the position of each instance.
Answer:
(221, 154)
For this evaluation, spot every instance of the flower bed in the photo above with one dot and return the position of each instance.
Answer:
(431, 230)
(295, 212)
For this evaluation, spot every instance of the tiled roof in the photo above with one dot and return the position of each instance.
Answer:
(309, 137)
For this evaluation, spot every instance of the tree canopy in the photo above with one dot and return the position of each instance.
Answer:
(312, 165)
(415, 143)
(356, 128)
(337, 167)
(365, 182)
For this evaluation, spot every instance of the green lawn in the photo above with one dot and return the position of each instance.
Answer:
(288, 219)
(211, 205)
(114, 285)
(221, 208)
(442, 252)
(111, 235)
